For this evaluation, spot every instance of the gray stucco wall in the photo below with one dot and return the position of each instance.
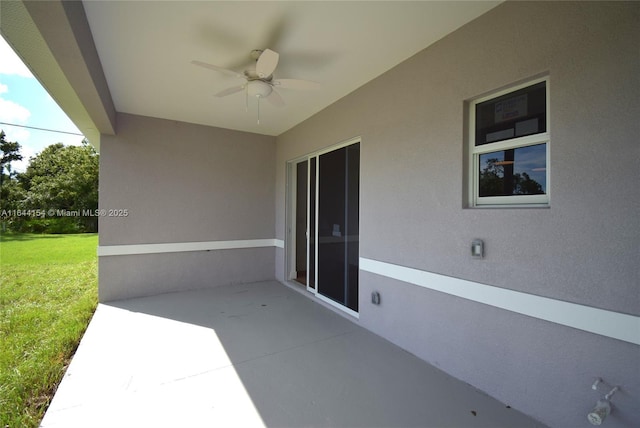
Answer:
(184, 183)
(583, 249)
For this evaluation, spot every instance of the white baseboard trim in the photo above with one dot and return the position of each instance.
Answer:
(599, 321)
(178, 247)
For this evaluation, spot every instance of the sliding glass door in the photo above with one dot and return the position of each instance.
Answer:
(331, 181)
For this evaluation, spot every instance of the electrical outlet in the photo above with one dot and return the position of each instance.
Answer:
(375, 298)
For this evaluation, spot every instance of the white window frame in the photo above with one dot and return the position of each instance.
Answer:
(513, 143)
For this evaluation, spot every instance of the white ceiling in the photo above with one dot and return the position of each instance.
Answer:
(146, 48)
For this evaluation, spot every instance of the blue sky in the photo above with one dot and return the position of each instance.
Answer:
(24, 101)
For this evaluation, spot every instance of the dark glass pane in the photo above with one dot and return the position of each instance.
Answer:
(516, 114)
(520, 171)
(301, 222)
(338, 225)
(353, 224)
(312, 224)
(331, 224)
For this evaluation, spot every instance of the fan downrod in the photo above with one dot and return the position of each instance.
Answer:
(255, 54)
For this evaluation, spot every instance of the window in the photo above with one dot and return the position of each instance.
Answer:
(509, 146)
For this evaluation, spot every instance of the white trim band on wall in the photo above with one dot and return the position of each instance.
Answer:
(178, 247)
(599, 321)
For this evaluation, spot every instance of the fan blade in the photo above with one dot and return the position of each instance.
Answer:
(230, 91)
(216, 68)
(275, 99)
(267, 63)
(304, 85)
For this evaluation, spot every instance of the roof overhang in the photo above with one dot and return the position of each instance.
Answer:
(96, 58)
(54, 40)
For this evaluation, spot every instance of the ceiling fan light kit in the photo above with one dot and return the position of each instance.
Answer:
(259, 81)
(258, 88)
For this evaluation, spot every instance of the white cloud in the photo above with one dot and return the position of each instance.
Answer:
(17, 134)
(11, 63)
(12, 112)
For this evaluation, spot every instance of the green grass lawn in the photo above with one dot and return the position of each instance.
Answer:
(48, 293)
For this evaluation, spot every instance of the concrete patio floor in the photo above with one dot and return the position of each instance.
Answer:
(254, 355)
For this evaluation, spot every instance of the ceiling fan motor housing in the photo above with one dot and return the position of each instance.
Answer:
(258, 88)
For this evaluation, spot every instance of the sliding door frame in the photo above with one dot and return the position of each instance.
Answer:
(290, 269)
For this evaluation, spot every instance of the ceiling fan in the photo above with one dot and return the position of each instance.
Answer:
(258, 79)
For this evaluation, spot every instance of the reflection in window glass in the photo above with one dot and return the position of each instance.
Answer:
(519, 171)
(516, 114)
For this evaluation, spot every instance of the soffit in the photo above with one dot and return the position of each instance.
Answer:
(146, 49)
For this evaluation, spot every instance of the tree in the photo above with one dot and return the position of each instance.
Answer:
(495, 181)
(525, 185)
(491, 179)
(10, 152)
(10, 191)
(64, 178)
